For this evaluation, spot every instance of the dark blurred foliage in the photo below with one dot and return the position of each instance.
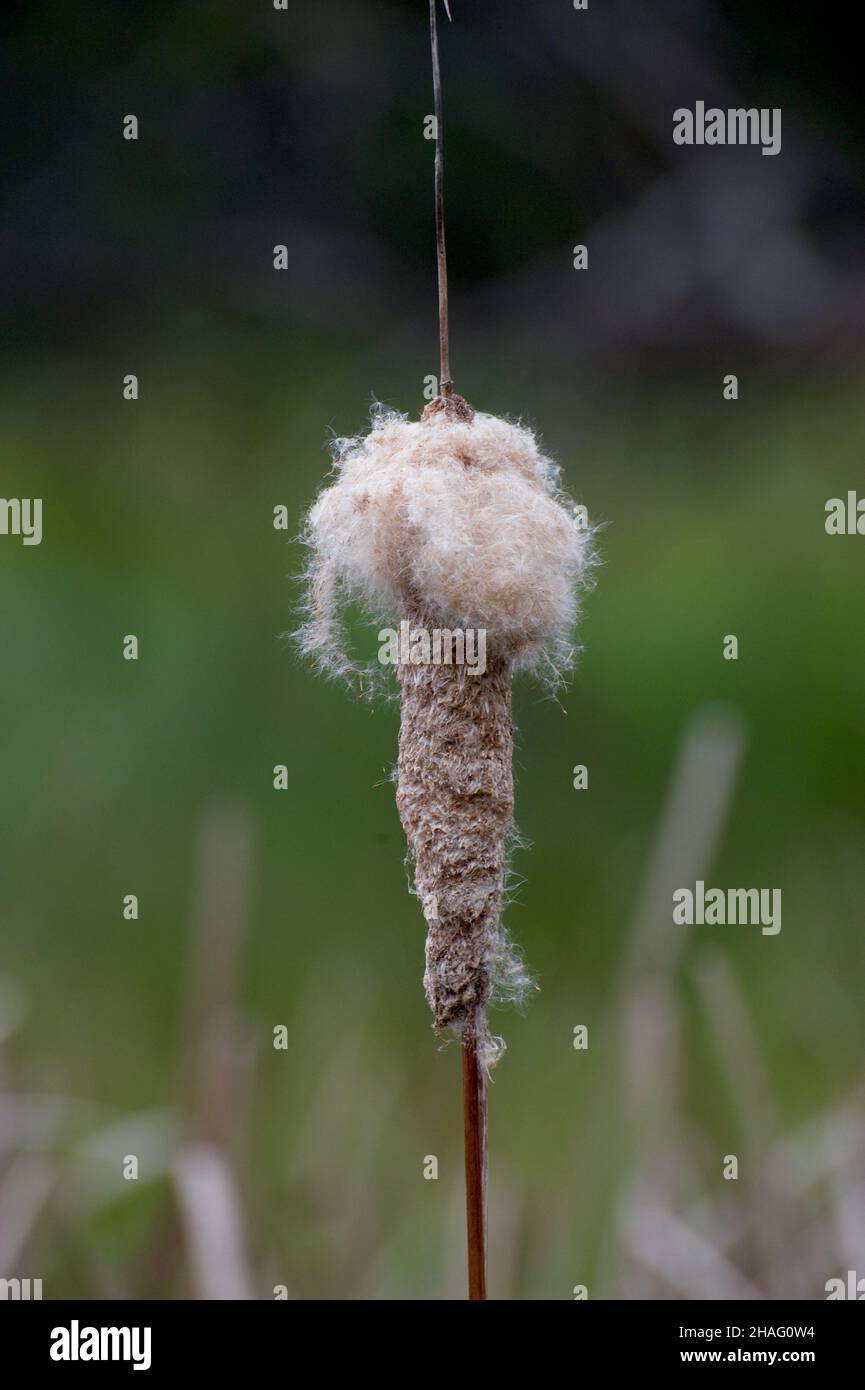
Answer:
(305, 127)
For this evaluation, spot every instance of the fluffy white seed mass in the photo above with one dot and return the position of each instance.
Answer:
(460, 519)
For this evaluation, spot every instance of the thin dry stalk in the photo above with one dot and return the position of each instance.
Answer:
(213, 1225)
(445, 384)
(475, 1117)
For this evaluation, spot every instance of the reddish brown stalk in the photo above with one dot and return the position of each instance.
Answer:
(475, 1118)
(445, 383)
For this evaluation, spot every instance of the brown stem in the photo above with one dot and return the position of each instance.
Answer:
(445, 383)
(475, 1118)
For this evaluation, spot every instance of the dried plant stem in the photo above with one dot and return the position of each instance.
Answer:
(445, 383)
(475, 1120)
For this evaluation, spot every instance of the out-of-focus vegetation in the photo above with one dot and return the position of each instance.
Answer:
(158, 521)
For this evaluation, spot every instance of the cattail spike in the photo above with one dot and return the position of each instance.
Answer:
(455, 798)
(455, 522)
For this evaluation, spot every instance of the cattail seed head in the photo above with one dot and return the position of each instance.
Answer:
(458, 515)
(455, 522)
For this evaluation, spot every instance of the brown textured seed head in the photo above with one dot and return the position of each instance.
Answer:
(454, 522)
(455, 800)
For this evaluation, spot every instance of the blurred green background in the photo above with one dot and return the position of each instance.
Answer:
(261, 908)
